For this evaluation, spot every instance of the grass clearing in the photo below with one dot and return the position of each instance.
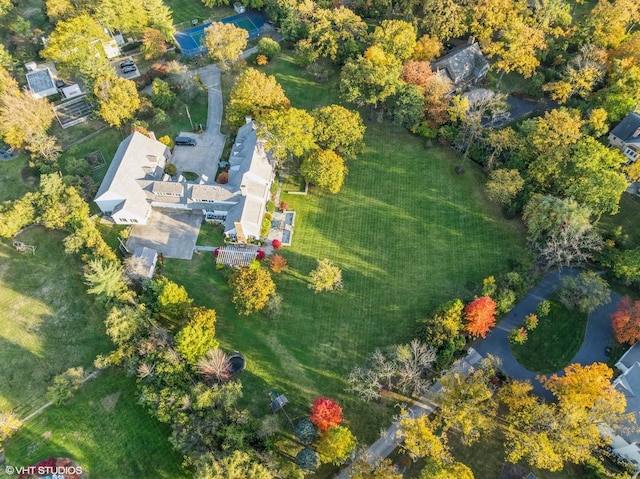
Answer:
(187, 10)
(105, 430)
(626, 220)
(48, 322)
(16, 178)
(551, 346)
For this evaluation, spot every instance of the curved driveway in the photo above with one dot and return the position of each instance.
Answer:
(597, 337)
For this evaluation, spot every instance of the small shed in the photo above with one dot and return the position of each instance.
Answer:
(144, 261)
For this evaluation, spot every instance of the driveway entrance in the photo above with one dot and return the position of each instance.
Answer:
(170, 232)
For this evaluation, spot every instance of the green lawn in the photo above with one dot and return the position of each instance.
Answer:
(210, 235)
(107, 142)
(16, 178)
(47, 321)
(301, 88)
(626, 220)
(551, 346)
(105, 430)
(187, 10)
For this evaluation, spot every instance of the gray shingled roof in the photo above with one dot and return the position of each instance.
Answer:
(40, 80)
(127, 167)
(168, 187)
(210, 193)
(627, 127)
(461, 63)
(629, 385)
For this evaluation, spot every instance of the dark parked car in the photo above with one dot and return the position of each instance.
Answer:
(185, 141)
(129, 69)
(127, 63)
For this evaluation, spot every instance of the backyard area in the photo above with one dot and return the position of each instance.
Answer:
(408, 234)
(105, 430)
(47, 321)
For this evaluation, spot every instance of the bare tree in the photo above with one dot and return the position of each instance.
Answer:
(414, 359)
(484, 111)
(214, 365)
(568, 247)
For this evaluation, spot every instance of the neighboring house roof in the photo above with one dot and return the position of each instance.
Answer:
(137, 156)
(628, 130)
(41, 83)
(629, 358)
(462, 64)
(629, 384)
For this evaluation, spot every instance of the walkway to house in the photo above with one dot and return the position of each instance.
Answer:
(597, 337)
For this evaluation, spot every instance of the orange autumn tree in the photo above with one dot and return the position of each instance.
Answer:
(325, 413)
(626, 321)
(480, 315)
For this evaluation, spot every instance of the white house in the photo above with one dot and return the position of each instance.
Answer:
(626, 136)
(626, 443)
(135, 183)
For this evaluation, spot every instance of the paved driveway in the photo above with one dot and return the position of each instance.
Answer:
(597, 337)
(203, 158)
(170, 232)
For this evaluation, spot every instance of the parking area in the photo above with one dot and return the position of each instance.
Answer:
(200, 158)
(170, 232)
(126, 68)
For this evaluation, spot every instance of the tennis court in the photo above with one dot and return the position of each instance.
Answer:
(190, 41)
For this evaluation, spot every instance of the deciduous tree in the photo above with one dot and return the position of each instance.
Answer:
(421, 440)
(339, 129)
(626, 321)
(153, 44)
(370, 79)
(235, 465)
(325, 413)
(23, 118)
(336, 445)
(251, 289)
(277, 263)
(445, 324)
(118, 99)
(325, 169)
(198, 335)
(467, 404)
(129, 17)
(326, 277)
(417, 73)
(504, 185)
(76, 45)
(582, 74)
(480, 315)
(167, 299)
(427, 48)
(254, 94)
(362, 468)
(443, 19)
(159, 17)
(581, 386)
(397, 38)
(585, 292)
(225, 42)
(289, 132)
(105, 278)
(331, 30)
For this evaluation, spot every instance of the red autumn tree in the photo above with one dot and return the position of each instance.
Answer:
(417, 73)
(480, 315)
(325, 413)
(626, 321)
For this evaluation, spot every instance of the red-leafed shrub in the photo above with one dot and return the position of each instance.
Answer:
(276, 243)
(216, 252)
(223, 178)
(277, 263)
(480, 315)
(325, 413)
(260, 254)
(284, 205)
(626, 321)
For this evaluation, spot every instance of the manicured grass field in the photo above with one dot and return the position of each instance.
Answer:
(627, 219)
(106, 142)
(551, 346)
(105, 430)
(47, 321)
